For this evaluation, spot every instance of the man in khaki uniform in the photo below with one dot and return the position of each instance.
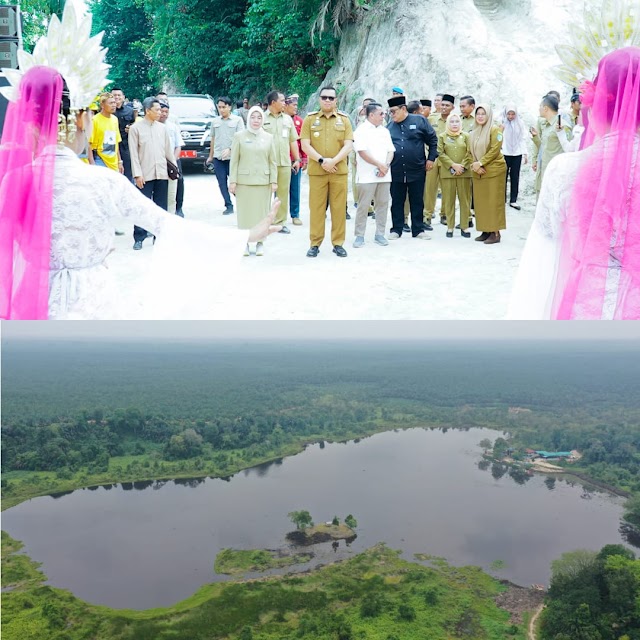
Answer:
(327, 139)
(439, 122)
(546, 139)
(467, 107)
(285, 142)
(426, 107)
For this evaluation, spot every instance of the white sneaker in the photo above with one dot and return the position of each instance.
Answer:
(423, 236)
(394, 236)
(259, 249)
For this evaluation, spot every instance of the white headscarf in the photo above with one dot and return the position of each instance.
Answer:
(515, 129)
(253, 109)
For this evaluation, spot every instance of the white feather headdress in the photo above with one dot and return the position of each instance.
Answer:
(614, 26)
(69, 49)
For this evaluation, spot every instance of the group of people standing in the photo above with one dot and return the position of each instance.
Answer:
(142, 147)
(401, 154)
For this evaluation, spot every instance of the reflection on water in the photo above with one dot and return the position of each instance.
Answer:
(149, 544)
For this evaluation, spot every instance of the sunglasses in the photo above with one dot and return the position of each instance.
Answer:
(330, 98)
(394, 110)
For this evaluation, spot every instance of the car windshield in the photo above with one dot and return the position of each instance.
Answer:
(182, 107)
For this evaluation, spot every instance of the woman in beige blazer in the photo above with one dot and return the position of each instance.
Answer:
(253, 174)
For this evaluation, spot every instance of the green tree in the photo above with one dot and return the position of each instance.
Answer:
(485, 444)
(372, 605)
(573, 563)
(336, 521)
(302, 519)
(128, 34)
(35, 18)
(406, 612)
(500, 447)
(351, 522)
(632, 511)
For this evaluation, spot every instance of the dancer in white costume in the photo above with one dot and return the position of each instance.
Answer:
(582, 256)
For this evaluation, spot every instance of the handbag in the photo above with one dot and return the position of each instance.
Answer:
(173, 171)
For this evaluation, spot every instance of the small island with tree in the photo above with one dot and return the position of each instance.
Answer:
(239, 561)
(308, 533)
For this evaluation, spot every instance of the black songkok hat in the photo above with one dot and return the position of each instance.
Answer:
(397, 101)
(448, 98)
(425, 103)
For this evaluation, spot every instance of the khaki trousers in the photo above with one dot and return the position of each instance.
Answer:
(284, 182)
(452, 187)
(380, 193)
(331, 187)
(171, 196)
(431, 192)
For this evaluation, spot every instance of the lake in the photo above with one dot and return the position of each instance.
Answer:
(152, 544)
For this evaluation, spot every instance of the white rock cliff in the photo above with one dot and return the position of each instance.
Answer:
(499, 51)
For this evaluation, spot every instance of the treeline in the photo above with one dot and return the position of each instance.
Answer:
(221, 47)
(48, 382)
(69, 407)
(593, 596)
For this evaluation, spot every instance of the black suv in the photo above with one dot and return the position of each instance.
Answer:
(194, 113)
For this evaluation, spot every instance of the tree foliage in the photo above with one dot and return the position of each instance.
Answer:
(128, 34)
(302, 519)
(235, 47)
(594, 596)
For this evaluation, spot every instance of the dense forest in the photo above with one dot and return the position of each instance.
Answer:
(221, 47)
(90, 413)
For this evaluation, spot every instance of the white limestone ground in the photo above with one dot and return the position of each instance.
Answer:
(410, 279)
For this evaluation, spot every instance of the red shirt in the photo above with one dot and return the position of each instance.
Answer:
(297, 121)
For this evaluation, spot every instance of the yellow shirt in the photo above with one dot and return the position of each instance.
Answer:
(105, 138)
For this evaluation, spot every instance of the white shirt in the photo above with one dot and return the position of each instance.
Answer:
(173, 129)
(376, 141)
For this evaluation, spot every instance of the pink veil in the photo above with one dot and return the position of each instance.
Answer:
(599, 266)
(27, 158)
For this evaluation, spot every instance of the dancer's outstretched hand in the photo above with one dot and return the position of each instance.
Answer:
(266, 227)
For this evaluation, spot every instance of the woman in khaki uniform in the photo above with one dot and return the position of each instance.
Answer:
(488, 172)
(253, 174)
(454, 157)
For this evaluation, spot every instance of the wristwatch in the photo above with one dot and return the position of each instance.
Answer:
(320, 160)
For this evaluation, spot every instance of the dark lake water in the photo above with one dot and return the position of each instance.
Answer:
(421, 491)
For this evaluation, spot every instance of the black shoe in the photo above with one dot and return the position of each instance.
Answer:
(515, 206)
(427, 227)
(471, 223)
(284, 230)
(180, 213)
(483, 236)
(313, 252)
(465, 234)
(406, 228)
(457, 226)
(348, 216)
(449, 234)
(228, 210)
(339, 251)
(137, 245)
(443, 219)
(371, 214)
